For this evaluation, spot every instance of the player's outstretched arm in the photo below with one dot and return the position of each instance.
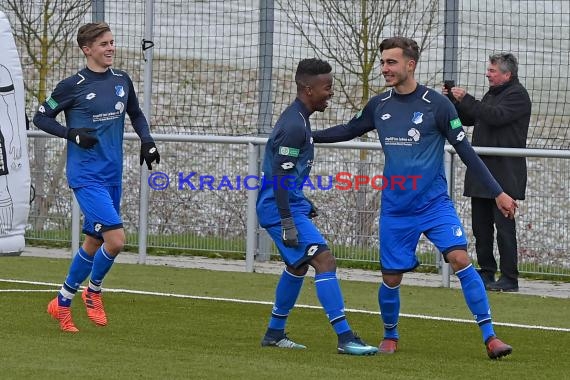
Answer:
(334, 134)
(361, 123)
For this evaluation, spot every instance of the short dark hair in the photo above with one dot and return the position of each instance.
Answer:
(310, 67)
(88, 33)
(507, 63)
(409, 47)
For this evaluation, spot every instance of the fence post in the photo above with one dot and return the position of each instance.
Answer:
(144, 189)
(75, 230)
(451, 39)
(450, 54)
(251, 233)
(265, 111)
(97, 10)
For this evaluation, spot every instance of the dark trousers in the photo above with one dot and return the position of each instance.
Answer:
(485, 216)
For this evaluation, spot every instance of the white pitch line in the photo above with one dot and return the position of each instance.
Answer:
(302, 306)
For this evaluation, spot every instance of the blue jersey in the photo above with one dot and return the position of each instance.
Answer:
(290, 153)
(412, 129)
(100, 101)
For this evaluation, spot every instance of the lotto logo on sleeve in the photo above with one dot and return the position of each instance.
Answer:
(286, 151)
(455, 123)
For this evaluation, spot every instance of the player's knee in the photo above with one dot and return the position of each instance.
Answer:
(301, 271)
(392, 280)
(324, 262)
(114, 241)
(91, 245)
(458, 259)
(113, 247)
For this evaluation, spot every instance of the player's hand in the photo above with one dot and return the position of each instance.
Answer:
(149, 154)
(82, 137)
(314, 210)
(289, 233)
(506, 205)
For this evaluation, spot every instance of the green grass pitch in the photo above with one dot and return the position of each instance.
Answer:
(154, 336)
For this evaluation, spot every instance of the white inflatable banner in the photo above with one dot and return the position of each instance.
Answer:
(14, 165)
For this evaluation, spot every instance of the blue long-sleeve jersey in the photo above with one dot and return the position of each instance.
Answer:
(412, 129)
(289, 155)
(100, 101)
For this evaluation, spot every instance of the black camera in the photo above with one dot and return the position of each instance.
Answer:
(448, 84)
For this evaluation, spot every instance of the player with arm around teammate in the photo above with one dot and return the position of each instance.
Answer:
(413, 122)
(284, 211)
(94, 101)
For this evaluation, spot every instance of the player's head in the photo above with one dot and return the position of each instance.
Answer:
(400, 56)
(97, 43)
(502, 68)
(314, 83)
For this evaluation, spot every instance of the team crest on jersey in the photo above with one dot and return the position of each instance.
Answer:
(418, 118)
(119, 90)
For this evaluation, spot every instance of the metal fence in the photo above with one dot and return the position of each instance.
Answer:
(225, 67)
(202, 202)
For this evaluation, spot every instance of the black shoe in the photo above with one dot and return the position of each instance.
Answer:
(504, 284)
(487, 277)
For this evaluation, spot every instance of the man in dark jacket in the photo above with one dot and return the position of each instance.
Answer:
(501, 119)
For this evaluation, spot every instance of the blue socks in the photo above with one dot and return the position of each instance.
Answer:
(286, 294)
(330, 296)
(389, 301)
(81, 266)
(102, 263)
(79, 270)
(476, 298)
(328, 293)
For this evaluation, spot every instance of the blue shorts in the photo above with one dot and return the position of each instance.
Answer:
(101, 206)
(311, 242)
(399, 236)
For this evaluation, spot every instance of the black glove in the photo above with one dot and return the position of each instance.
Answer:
(314, 210)
(289, 232)
(149, 154)
(82, 137)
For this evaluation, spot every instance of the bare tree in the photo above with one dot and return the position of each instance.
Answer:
(349, 34)
(44, 31)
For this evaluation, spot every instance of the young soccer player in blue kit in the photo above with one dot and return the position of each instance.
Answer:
(413, 123)
(94, 102)
(285, 212)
